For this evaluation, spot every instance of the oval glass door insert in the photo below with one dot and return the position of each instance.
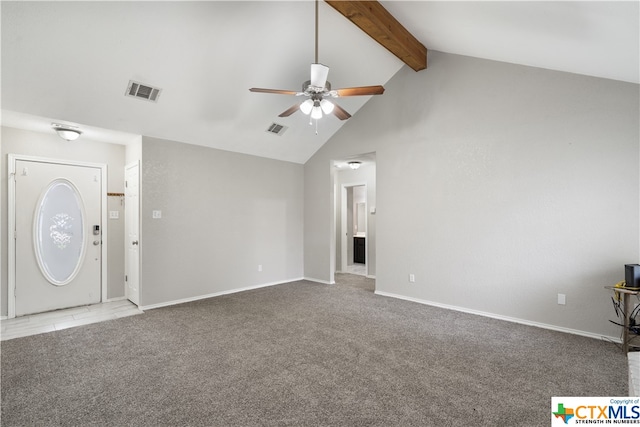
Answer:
(59, 232)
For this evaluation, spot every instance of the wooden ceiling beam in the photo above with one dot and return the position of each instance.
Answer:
(372, 18)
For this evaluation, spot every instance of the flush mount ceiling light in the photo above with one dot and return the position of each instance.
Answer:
(66, 132)
(354, 165)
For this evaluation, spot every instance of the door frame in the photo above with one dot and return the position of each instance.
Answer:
(11, 261)
(138, 164)
(343, 224)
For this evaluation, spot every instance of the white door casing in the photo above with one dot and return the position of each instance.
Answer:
(345, 233)
(132, 232)
(47, 232)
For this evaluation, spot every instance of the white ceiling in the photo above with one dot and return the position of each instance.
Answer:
(70, 62)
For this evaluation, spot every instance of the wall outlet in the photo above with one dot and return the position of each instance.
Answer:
(562, 299)
(259, 267)
(114, 214)
(156, 214)
(412, 278)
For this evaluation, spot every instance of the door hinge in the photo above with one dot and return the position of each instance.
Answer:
(126, 278)
(126, 184)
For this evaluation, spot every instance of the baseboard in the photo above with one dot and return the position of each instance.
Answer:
(500, 317)
(3, 317)
(215, 294)
(371, 276)
(324, 282)
(634, 373)
(115, 299)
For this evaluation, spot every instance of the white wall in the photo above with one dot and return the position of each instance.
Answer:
(18, 141)
(499, 186)
(223, 214)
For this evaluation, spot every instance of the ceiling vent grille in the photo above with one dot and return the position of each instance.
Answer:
(276, 129)
(142, 91)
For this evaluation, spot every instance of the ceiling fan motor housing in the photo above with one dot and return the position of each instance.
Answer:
(308, 89)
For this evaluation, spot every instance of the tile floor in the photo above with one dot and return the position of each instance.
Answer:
(360, 269)
(62, 319)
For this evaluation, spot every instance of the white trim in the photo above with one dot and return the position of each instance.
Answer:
(3, 317)
(324, 282)
(371, 276)
(343, 222)
(116, 299)
(215, 294)
(138, 164)
(11, 200)
(500, 317)
(633, 357)
(104, 282)
(344, 251)
(11, 237)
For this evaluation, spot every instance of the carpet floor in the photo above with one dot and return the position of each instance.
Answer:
(302, 354)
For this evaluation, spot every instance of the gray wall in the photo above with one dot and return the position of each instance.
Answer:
(499, 186)
(18, 141)
(223, 214)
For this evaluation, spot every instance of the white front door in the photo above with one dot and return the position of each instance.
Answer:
(58, 236)
(132, 231)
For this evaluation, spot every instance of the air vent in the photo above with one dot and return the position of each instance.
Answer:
(142, 91)
(277, 129)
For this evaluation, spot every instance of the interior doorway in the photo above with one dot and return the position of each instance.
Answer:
(354, 229)
(354, 215)
(132, 232)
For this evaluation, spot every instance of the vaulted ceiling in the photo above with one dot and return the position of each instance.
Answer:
(71, 62)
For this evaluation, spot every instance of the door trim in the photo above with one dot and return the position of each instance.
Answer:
(343, 225)
(11, 261)
(138, 164)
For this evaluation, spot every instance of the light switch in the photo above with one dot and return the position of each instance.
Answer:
(114, 214)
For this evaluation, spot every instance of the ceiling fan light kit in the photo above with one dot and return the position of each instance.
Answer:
(327, 106)
(306, 106)
(354, 165)
(317, 88)
(316, 111)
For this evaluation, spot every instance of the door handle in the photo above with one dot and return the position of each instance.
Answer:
(135, 242)
(96, 242)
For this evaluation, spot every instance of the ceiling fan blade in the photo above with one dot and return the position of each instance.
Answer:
(360, 91)
(319, 74)
(276, 91)
(340, 112)
(290, 111)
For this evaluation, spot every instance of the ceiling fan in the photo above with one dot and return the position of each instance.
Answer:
(317, 89)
